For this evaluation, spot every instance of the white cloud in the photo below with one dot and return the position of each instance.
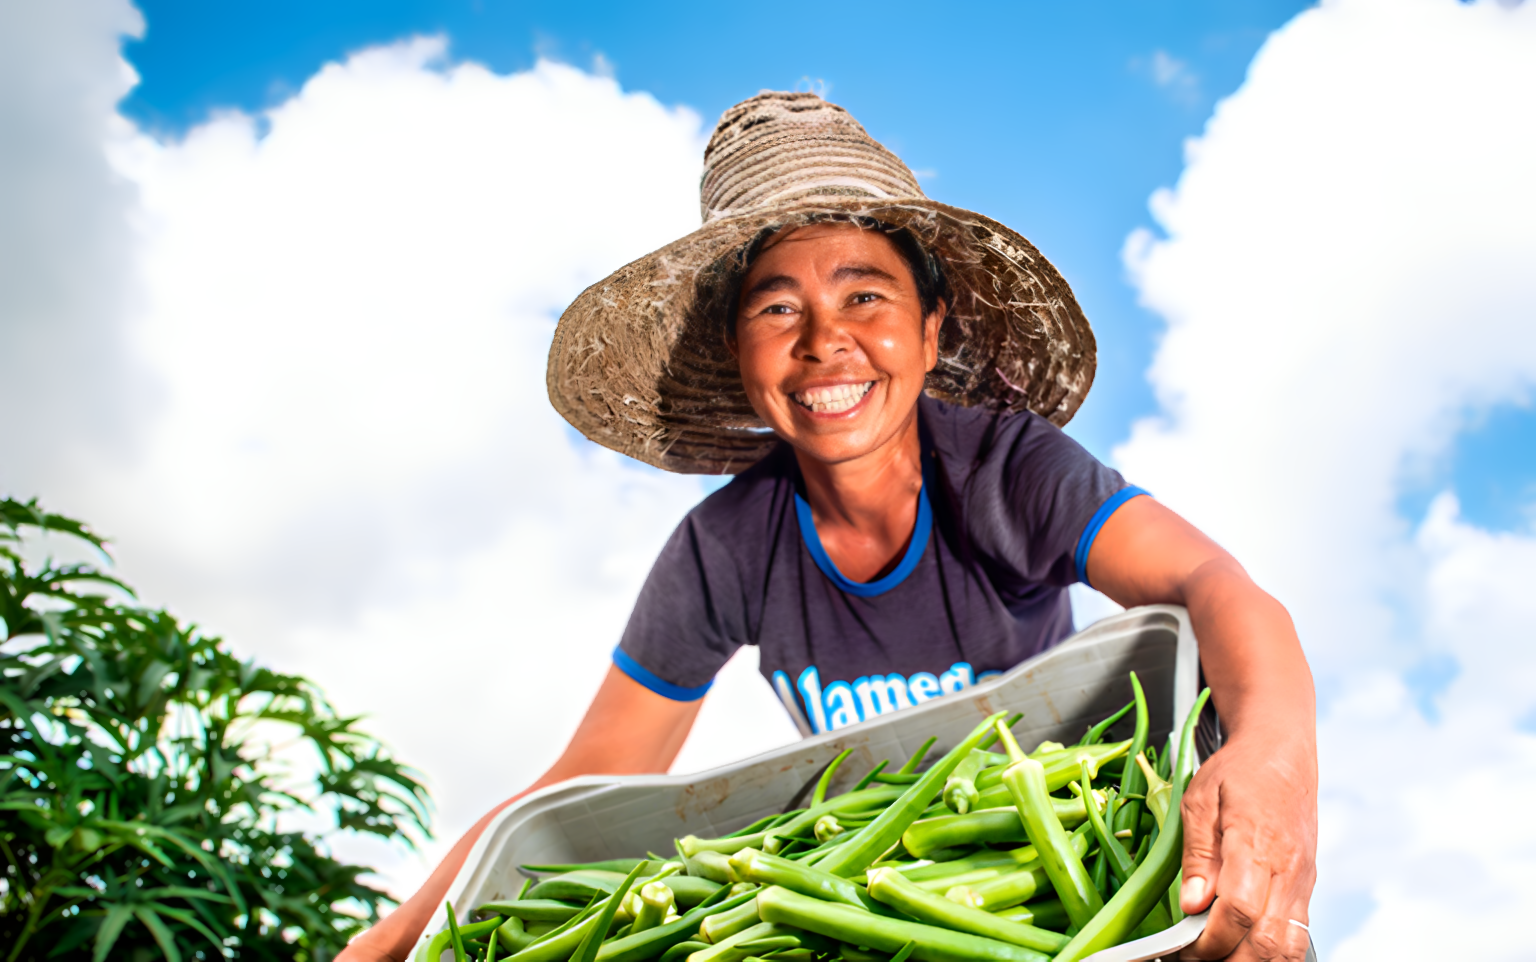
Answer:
(352, 469)
(1346, 275)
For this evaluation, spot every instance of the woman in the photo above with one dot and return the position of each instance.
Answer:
(888, 375)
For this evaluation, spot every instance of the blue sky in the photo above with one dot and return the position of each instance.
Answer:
(1058, 119)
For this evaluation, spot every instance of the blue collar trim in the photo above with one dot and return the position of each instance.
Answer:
(868, 589)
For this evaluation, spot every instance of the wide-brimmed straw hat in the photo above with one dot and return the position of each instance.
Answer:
(639, 362)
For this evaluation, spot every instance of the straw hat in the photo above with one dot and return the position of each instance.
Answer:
(639, 362)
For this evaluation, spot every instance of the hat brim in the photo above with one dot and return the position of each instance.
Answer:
(639, 363)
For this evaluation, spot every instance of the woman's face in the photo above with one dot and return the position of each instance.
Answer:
(832, 341)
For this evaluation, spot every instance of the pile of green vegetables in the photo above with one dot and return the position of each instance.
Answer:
(983, 857)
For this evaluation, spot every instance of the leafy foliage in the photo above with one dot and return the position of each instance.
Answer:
(143, 771)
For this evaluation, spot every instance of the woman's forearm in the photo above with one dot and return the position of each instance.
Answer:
(1251, 656)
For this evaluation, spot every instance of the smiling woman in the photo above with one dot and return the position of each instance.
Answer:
(886, 376)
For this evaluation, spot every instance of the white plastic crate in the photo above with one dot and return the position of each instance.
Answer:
(1060, 692)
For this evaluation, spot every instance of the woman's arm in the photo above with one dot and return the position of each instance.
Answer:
(628, 730)
(1250, 815)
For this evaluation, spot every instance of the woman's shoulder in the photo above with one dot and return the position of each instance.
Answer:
(977, 438)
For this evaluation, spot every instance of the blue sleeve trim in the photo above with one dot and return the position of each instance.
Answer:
(1085, 541)
(665, 689)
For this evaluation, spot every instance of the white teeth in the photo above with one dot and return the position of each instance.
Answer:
(834, 399)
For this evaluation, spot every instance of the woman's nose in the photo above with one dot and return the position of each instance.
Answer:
(822, 336)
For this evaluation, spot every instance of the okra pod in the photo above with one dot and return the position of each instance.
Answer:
(710, 865)
(960, 788)
(540, 910)
(722, 925)
(797, 877)
(581, 884)
(858, 927)
(640, 946)
(1096, 732)
(1118, 862)
(726, 949)
(992, 825)
(871, 841)
(1150, 881)
(917, 757)
(825, 781)
(440, 942)
(1026, 782)
(617, 866)
(1132, 781)
(1159, 792)
(586, 950)
(1061, 767)
(1017, 886)
(656, 900)
(691, 845)
(891, 888)
(803, 823)
(1045, 914)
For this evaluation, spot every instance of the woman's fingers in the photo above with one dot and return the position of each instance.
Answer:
(1202, 841)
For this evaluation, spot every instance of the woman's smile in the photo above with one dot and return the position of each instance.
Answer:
(834, 398)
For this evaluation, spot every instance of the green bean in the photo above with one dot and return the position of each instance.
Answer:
(822, 783)
(917, 757)
(1045, 914)
(1096, 732)
(929, 835)
(858, 927)
(874, 839)
(772, 870)
(640, 946)
(513, 935)
(1150, 881)
(891, 888)
(896, 778)
(1026, 782)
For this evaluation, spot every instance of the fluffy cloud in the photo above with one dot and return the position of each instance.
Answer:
(1346, 280)
(351, 469)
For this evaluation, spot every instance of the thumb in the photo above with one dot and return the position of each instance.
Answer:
(1201, 811)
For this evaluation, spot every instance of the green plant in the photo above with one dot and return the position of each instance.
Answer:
(144, 773)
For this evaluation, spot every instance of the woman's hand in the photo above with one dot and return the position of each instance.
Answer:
(1250, 839)
(1250, 814)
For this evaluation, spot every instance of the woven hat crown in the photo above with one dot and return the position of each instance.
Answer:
(780, 147)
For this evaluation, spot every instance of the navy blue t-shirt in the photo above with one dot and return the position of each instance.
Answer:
(1009, 508)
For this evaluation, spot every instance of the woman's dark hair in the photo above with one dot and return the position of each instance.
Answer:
(927, 271)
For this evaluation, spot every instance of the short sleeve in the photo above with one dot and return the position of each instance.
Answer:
(1036, 500)
(686, 622)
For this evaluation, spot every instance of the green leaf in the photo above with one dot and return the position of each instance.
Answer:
(160, 931)
(111, 927)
